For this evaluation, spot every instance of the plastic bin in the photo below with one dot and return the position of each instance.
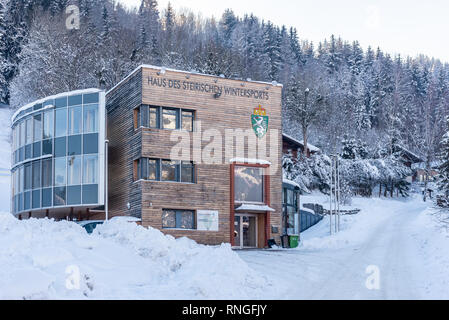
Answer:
(294, 241)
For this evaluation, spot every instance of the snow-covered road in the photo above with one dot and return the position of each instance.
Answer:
(396, 240)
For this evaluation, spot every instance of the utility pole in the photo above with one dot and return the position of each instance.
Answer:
(106, 177)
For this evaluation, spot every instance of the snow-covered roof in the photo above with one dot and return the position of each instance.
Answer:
(250, 161)
(255, 207)
(163, 70)
(413, 156)
(290, 182)
(311, 147)
(56, 96)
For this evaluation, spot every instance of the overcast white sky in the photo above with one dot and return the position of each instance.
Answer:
(408, 27)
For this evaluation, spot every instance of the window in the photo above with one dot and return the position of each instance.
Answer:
(27, 177)
(154, 119)
(169, 170)
(60, 171)
(90, 143)
(60, 196)
(90, 173)
(153, 169)
(187, 172)
(187, 120)
(37, 127)
(48, 124)
(178, 219)
(36, 175)
(61, 122)
(29, 130)
(91, 118)
(91, 98)
(90, 194)
(75, 100)
(169, 119)
(164, 170)
(74, 170)
(47, 173)
(75, 120)
(22, 133)
(248, 184)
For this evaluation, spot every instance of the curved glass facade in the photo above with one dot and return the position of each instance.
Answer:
(58, 152)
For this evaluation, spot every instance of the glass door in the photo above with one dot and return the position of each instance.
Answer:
(245, 231)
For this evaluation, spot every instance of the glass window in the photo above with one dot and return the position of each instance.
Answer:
(75, 100)
(46, 198)
(90, 172)
(61, 122)
(91, 118)
(60, 196)
(91, 98)
(169, 170)
(180, 219)
(21, 175)
(154, 123)
(90, 194)
(187, 120)
(60, 172)
(47, 147)
(47, 173)
(168, 219)
(22, 133)
(37, 149)
(75, 120)
(48, 124)
(36, 202)
(73, 195)
(37, 127)
(74, 170)
(153, 169)
(29, 130)
(61, 102)
(90, 143)
(36, 175)
(27, 177)
(61, 147)
(28, 151)
(169, 120)
(187, 172)
(27, 200)
(249, 184)
(74, 145)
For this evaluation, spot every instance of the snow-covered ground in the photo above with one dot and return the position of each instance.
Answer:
(42, 259)
(397, 240)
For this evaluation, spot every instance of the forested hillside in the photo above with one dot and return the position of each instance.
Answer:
(379, 99)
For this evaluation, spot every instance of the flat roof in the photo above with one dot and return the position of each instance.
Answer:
(56, 96)
(163, 69)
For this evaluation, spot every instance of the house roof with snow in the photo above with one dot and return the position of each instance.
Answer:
(300, 144)
(407, 154)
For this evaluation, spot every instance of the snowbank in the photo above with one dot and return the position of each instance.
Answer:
(120, 260)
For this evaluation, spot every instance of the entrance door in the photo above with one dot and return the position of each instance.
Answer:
(245, 233)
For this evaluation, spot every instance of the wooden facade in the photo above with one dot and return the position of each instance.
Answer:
(219, 104)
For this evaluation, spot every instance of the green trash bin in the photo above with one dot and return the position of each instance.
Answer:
(294, 241)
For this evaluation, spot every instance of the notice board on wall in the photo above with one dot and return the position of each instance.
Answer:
(207, 220)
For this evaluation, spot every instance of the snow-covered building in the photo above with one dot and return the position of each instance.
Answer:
(296, 147)
(58, 167)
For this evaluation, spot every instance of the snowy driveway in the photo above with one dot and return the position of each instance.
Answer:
(396, 238)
